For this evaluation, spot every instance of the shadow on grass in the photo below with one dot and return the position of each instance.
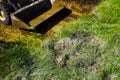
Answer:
(13, 58)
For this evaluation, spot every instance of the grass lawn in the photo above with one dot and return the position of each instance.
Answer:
(96, 42)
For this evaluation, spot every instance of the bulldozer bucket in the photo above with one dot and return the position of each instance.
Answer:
(44, 13)
(31, 11)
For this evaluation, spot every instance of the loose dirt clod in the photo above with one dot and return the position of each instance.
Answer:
(61, 51)
(19, 77)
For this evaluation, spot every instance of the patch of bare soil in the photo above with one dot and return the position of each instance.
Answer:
(77, 48)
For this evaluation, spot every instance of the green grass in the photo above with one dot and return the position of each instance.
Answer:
(35, 61)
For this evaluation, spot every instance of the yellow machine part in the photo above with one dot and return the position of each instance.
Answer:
(77, 8)
(1, 0)
(49, 20)
(77, 5)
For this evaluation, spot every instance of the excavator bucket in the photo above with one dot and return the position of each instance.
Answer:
(42, 12)
(31, 11)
